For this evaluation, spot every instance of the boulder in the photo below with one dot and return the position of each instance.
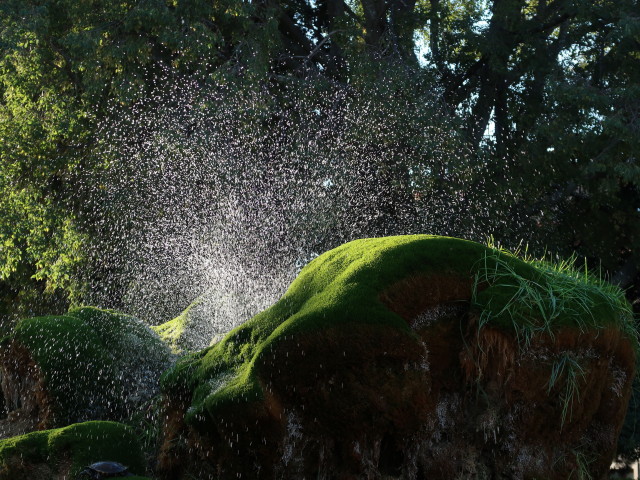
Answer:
(410, 357)
(193, 329)
(89, 364)
(63, 453)
(209, 317)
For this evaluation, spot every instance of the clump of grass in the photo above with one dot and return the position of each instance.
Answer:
(550, 295)
(583, 463)
(544, 298)
(567, 368)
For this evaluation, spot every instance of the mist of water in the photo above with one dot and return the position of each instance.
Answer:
(209, 193)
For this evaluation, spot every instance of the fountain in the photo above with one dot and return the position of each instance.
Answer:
(388, 356)
(225, 198)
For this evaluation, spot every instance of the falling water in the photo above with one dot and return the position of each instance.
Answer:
(213, 195)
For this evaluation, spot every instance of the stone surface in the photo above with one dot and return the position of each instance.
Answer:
(394, 358)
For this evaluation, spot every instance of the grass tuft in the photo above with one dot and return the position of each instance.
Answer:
(547, 297)
(568, 371)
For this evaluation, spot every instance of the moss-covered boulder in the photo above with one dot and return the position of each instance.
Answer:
(62, 453)
(411, 357)
(209, 317)
(90, 364)
(194, 328)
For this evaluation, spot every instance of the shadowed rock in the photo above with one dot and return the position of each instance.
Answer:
(410, 357)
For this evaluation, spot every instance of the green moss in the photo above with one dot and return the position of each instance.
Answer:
(80, 444)
(172, 331)
(200, 324)
(175, 332)
(343, 286)
(116, 329)
(92, 361)
(76, 367)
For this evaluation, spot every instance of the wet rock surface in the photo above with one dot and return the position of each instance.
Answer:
(395, 372)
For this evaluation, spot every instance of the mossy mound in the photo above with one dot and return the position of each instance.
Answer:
(352, 284)
(383, 346)
(192, 330)
(90, 364)
(64, 452)
(206, 320)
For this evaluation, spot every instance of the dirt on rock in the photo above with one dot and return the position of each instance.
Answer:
(24, 395)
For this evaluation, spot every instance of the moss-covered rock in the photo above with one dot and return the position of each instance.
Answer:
(90, 364)
(410, 357)
(64, 452)
(206, 320)
(192, 330)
